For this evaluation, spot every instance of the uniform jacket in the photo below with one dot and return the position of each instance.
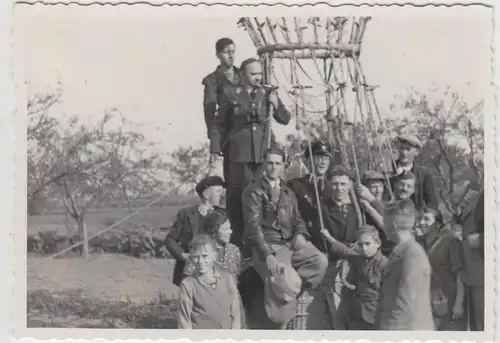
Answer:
(188, 223)
(267, 222)
(405, 295)
(243, 125)
(214, 84)
(304, 190)
(425, 192)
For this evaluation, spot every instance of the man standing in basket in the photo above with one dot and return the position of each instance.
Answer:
(242, 130)
(214, 83)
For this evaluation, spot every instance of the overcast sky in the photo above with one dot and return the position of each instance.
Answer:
(149, 61)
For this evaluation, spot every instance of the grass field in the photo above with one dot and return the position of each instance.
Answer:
(107, 290)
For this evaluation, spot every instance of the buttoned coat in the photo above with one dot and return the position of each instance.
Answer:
(242, 123)
(305, 192)
(405, 295)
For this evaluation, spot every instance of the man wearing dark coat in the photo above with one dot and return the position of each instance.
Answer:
(214, 83)
(425, 193)
(189, 222)
(342, 222)
(305, 191)
(242, 129)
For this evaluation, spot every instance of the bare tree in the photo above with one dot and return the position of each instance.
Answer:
(187, 166)
(98, 163)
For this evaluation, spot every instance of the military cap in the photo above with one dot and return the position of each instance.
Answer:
(209, 181)
(221, 44)
(318, 148)
(411, 139)
(372, 175)
(406, 175)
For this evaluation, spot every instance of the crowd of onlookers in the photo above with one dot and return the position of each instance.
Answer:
(377, 247)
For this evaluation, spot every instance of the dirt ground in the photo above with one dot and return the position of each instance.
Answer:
(104, 276)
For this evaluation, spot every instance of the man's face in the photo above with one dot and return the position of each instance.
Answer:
(367, 245)
(226, 56)
(203, 258)
(252, 74)
(214, 194)
(407, 153)
(274, 166)
(376, 187)
(404, 189)
(341, 184)
(321, 164)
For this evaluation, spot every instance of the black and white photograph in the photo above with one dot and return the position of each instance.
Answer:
(319, 169)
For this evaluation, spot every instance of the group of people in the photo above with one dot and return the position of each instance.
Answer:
(376, 247)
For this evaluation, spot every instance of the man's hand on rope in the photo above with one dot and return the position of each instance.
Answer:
(216, 167)
(364, 193)
(273, 99)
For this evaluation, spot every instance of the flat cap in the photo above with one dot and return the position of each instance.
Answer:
(411, 139)
(340, 170)
(406, 175)
(372, 175)
(209, 181)
(318, 148)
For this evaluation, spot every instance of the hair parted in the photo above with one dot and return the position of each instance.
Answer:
(275, 151)
(248, 61)
(202, 240)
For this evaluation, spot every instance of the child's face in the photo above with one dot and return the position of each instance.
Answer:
(367, 246)
(224, 233)
(203, 258)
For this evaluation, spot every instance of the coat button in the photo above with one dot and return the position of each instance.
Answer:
(253, 128)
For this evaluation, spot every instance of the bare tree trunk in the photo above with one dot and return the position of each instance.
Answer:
(82, 230)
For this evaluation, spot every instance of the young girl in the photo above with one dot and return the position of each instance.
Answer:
(208, 298)
(365, 273)
(229, 258)
(445, 256)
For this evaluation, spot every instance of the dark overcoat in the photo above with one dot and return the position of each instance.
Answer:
(188, 223)
(304, 190)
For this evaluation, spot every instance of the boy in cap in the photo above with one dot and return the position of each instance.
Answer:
(190, 221)
(305, 190)
(425, 194)
(243, 128)
(370, 194)
(405, 301)
(208, 299)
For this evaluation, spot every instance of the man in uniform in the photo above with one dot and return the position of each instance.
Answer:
(214, 83)
(189, 222)
(305, 191)
(242, 129)
(425, 194)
